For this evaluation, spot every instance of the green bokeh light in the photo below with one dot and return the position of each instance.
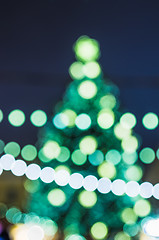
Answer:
(122, 236)
(76, 70)
(105, 118)
(29, 152)
(150, 121)
(87, 89)
(57, 197)
(69, 117)
(83, 121)
(51, 149)
(99, 231)
(11, 213)
(12, 148)
(130, 158)
(128, 120)
(131, 229)
(91, 69)
(31, 186)
(147, 155)
(64, 154)
(86, 49)
(96, 158)
(87, 199)
(142, 208)
(121, 132)
(88, 145)
(128, 216)
(108, 101)
(43, 157)
(134, 173)
(2, 145)
(38, 118)
(78, 157)
(16, 118)
(107, 169)
(130, 144)
(113, 156)
(1, 115)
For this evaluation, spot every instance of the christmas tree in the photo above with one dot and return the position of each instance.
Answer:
(89, 154)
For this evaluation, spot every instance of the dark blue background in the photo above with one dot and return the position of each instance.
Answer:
(36, 38)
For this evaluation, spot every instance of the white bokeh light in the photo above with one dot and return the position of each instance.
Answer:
(47, 174)
(76, 180)
(62, 177)
(146, 190)
(35, 233)
(132, 189)
(18, 168)
(33, 171)
(156, 191)
(6, 161)
(151, 227)
(90, 183)
(104, 185)
(118, 187)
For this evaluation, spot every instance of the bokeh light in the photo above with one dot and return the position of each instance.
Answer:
(105, 118)
(91, 69)
(113, 156)
(2, 145)
(18, 168)
(122, 236)
(88, 145)
(87, 199)
(83, 121)
(6, 161)
(118, 187)
(64, 154)
(86, 49)
(108, 101)
(12, 148)
(33, 171)
(99, 230)
(128, 120)
(16, 118)
(134, 173)
(51, 149)
(29, 152)
(121, 132)
(104, 185)
(146, 189)
(107, 170)
(147, 155)
(87, 89)
(78, 157)
(90, 183)
(129, 158)
(62, 177)
(76, 70)
(38, 118)
(47, 175)
(150, 121)
(96, 158)
(76, 180)
(56, 197)
(75, 237)
(130, 144)
(132, 188)
(128, 216)
(68, 117)
(1, 115)
(142, 208)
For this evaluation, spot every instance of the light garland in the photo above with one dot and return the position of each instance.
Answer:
(76, 180)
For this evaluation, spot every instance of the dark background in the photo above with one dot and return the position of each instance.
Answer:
(36, 38)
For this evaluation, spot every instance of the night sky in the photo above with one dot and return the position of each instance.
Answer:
(36, 39)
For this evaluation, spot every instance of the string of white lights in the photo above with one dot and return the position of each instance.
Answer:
(76, 180)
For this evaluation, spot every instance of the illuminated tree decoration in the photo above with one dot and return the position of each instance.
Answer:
(88, 138)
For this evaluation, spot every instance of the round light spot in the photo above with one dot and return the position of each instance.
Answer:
(156, 191)
(47, 175)
(76, 180)
(128, 120)
(134, 173)
(6, 161)
(78, 157)
(88, 145)
(122, 236)
(105, 118)
(33, 171)
(142, 208)
(87, 89)
(64, 154)
(29, 152)
(113, 156)
(18, 168)
(76, 70)
(56, 197)
(108, 101)
(107, 170)
(87, 199)
(130, 158)
(1, 115)
(131, 229)
(16, 118)
(51, 149)
(146, 190)
(83, 121)
(99, 230)
(132, 189)
(38, 118)
(128, 216)
(60, 121)
(121, 132)
(96, 158)
(90, 183)
(86, 49)
(35, 233)
(12, 148)
(151, 228)
(92, 69)
(43, 157)
(118, 187)
(130, 144)
(69, 117)
(104, 185)
(150, 121)
(62, 177)
(147, 155)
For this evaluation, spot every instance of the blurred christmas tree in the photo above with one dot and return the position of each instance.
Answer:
(89, 139)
